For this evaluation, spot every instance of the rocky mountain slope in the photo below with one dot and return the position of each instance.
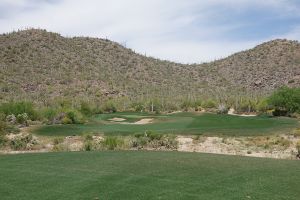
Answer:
(40, 65)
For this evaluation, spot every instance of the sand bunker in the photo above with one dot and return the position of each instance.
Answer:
(116, 119)
(140, 122)
(231, 112)
(144, 121)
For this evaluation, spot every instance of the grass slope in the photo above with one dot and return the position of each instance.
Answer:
(146, 175)
(182, 123)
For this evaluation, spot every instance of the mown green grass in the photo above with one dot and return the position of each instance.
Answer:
(146, 175)
(182, 123)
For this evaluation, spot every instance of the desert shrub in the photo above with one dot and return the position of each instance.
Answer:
(154, 140)
(20, 143)
(88, 137)
(138, 135)
(66, 120)
(262, 106)
(17, 108)
(153, 135)
(3, 140)
(111, 142)
(49, 113)
(73, 117)
(88, 146)
(109, 107)
(60, 147)
(297, 132)
(58, 140)
(209, 104)
(282, 142)
(3, 127)
(285, 100)
(11, 119)
(138, 107)
(22, 118)
(154, 106)
(186, 105)
(142, 141)
(85, 109)
(88, 142)
(222, 109)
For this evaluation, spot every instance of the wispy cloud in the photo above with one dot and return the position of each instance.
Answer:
(184, 31)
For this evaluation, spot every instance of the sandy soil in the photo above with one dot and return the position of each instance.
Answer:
(236, 146)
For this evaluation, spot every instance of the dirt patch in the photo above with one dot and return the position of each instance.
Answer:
(270, 148)
(116, 119)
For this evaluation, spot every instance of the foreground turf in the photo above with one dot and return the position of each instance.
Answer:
(182, 123)
(146, 175)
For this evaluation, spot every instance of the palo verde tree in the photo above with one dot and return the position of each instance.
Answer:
(285, 101)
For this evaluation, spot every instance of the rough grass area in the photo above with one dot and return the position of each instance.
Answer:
(146, 175)
(181, 123)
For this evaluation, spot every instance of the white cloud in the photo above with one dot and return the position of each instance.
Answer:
(183, 31)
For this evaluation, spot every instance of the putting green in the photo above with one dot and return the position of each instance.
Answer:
(181, 123)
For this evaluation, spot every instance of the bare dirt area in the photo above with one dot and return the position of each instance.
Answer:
(281, 147)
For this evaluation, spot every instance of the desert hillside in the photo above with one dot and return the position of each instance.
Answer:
(40, 65)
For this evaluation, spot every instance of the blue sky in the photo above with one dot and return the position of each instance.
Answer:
(186, 31)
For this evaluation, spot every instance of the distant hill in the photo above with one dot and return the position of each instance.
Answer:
(40, 65)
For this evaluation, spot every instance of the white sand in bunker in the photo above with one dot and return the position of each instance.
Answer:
(140, 122)
(116, 119)
(144, 121)
(232, 112)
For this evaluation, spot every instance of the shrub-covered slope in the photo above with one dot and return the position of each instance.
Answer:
(40, 65)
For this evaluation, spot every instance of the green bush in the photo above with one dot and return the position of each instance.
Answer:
(85, 109)
(285, 101)
(111, 142)
(109, 107)
(49, 113)
(209, 104)
(66, 120)
(153, 136)
(22, 118)
(74, 117)
(17, 108)
(88, 146)
(138, 107)
(263, 106)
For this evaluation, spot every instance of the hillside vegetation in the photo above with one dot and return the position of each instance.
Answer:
(42, 66)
